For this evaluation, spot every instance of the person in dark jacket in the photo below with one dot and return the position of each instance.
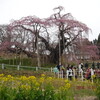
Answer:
(98, 65)
(93, 65)
(86, 65)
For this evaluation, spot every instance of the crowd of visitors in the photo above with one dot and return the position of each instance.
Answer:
(82, 70)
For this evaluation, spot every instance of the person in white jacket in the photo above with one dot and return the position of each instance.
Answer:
(70, 73)
(80, 69)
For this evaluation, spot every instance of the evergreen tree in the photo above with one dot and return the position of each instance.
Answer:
(98, 41)
(95, 41)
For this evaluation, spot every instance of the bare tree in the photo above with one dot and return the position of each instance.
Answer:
(33, 25)
(68, 29)
(57, 33)
(86, 50)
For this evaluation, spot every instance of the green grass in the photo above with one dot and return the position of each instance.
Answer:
(25, 72)
(25, 62)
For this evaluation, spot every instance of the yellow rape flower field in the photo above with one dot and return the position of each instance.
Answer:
(43, 88)
(32, 88)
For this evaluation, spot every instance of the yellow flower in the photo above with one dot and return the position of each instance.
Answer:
(41, 79)
(23, 78)
(1, 75)
(9, 76)
(42, 75)
(5, 79)
(25, 87)
(66, 81)
(37, 84)
(64, 88)
(49, 78)
(67, 85)
(32, 78)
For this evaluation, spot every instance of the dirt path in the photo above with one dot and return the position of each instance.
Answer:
(86, 98)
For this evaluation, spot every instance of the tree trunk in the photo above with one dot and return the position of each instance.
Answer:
(54, 57)
(38, 55)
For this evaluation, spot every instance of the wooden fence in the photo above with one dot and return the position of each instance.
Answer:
(57, 73)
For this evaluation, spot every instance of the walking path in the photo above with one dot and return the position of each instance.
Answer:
(86, 98)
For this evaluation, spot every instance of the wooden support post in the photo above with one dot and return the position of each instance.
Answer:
(51, 69)
(36, 68)
(18, 67)
(3, 66)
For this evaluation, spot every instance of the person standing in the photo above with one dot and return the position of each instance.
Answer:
(70, 73)
(88, 74)
(58, 66)
(80, 69)
(93, 65)
(86, 65)
(98, 65)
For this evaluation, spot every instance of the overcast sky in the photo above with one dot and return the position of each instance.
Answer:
(86, 11)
